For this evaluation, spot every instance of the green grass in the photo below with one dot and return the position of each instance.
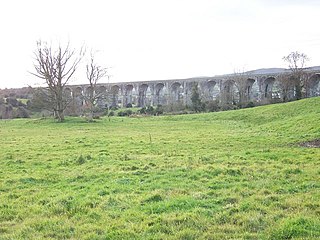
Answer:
(226, 175)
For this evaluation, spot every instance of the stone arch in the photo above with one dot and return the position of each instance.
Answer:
(267, 87)
(142, 100)
(229, 92)
(89, 91)
(159, 94)
(176, 91)
(313, 85)
(102, 94)
(211, 83)
(128, 94)
(248, 88)
(209, 90)
(77, 92)
(114, 95)
(280, 88)
(102, 90)
(78, 96)
(68, 93)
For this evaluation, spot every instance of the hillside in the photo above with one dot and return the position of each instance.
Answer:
(228, 175)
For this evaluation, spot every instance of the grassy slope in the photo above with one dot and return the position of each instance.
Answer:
(236, 174)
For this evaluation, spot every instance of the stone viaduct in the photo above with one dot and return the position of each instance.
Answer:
(233, 88)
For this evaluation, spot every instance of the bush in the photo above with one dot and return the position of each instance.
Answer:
(129, 105)
(127, 112)
(21, 112)
(250, 105)
(12, 101)
(212, 106)
(150, 110)
(121, 114)
(142, 110)
(114, 108)
(111, 114)
(227, 107)
(159, 110)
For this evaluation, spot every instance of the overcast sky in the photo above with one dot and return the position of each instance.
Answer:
(159, 39)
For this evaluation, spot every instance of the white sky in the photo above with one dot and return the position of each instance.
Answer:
(159, 39)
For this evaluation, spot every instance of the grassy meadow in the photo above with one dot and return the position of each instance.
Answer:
(227, 175)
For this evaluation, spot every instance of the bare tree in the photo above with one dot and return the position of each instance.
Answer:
(297, 62)
(56, 67)
(94, 72)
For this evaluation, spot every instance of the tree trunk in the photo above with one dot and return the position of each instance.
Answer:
(59, 115)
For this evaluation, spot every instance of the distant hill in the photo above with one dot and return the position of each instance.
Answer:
(315, 68)
(277, 70)
(267, 71)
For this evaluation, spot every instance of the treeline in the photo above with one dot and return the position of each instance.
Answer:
(12, 108)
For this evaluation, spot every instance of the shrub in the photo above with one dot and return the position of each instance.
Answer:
(212, 106)
(226, 107)
(159, 110)
(114, 108)
(12, 101)
(150, 110)
(21, 112)
(127, 112)
(121, 114)
(142, 110)
(250, 105)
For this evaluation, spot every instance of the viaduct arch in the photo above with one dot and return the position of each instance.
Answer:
(226, 89)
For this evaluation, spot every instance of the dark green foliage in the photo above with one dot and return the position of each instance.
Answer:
(150, 110)
(124, 113)
(197, 105)
(250, 105)
(114, 108)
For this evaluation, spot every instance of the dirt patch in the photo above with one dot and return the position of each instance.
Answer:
(311, 144)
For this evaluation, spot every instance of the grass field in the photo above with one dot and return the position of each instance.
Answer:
(227, 175)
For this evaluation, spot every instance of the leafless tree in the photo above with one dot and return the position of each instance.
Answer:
(94, 73)
(56, 67)
(297, 62)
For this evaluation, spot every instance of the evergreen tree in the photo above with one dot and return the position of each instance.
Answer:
(197, 105)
